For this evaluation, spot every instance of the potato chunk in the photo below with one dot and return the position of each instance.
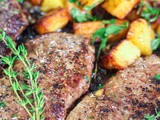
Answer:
(52, 4)
(141, 34)
(86, 29)
(53, 21)
(121, 56)
(91, 3)
(119, 8)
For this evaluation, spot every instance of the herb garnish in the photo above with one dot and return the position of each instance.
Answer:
(149, 13)
(157, 77)
(155, 43)
(81, 16)
(28, 94)
(21, 1)
(103, 35)
(75, 1)
(153, 117)
(2, 104)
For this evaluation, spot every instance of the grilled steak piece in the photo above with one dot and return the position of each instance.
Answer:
(129, 95)
(64, 62)
(12, 21)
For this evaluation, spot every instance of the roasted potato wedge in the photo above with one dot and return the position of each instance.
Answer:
(48, 5)
(119, 8)
(53, 21)
(86, 29)
(93, 3)
(35, 2)
(121, 35)
(141, 34)
(121, 56)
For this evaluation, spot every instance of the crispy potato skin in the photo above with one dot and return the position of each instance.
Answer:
(53, 21)
(141, 34)
(35, 2)
(121, 56)
(121, 35)
(48, 5)
(119, 8)
(86, 29)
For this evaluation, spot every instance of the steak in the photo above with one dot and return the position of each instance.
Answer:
(129, 95)
(65, 62)
(12, 21)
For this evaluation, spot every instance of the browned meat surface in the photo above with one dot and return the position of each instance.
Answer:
(64, 61)
(129, 95)
(12, 20)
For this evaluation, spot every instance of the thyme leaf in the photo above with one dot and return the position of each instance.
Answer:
(28, 94)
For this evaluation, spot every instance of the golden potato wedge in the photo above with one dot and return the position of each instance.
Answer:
(121, 56)
(35, 2)
(141, 34)
(121, 35)
(93, 3)
(53, 21)
(86, 29)
(119, 8)
(48, 5)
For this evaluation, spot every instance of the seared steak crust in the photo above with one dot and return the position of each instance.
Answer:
(129, 95)
(64, 61)
(12, 19)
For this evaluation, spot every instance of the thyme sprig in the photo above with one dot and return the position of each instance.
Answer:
(29, 94)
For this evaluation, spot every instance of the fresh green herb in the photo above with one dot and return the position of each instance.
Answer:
(75, 1)
(28, 94)
(155, 43)
(157, 77)
(79, 16)
(153, 117)
(2, 104)
(103, 35)
(99, 86)
(149, 13)
(2, 0)
(112, 21)
(21, 1)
